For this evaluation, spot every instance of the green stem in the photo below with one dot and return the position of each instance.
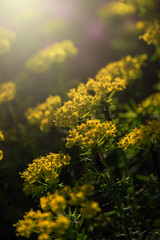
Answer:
(98, 160)
(117, 202)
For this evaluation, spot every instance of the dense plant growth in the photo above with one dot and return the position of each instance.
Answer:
(104, 182)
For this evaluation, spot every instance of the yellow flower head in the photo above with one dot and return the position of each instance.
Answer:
(7, 91)
(1, 136)
(79, 196)
(55, 53)
(150, 106)
(61, 225)
(127, 68)
(152, 33)
(6, 37)
(58, 204)
(91, 134)
(90, 209)
(44, 236)
(43, 113)
(54, 221)
(53, 202)
(83, 100)
(42, 223)
(116, 8)
(142, 137)
(44, 169)
(104, 85)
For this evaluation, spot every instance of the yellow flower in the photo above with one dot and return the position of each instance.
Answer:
(76, 198)
(150, 106)
(6, 37)
(1, 139)
(44, 236)
(1, 154)
(58, 203)
(142, 137)
(34, 221)
(61, 225)
(45, 202)
(140, 25)
(116, 8)
(127, 68)
(91, 134)
(44, 59)
(142, 6)
(90, 209)
(43, 113)
(87, 189)
(52, 222)
(72, 111)
(7, 91)
(152, 34)
(104, 85)
(85, 99)
(45, 169)
(1, 136)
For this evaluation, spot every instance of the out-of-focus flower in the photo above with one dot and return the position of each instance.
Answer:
(43, 113)
(116, 8)
(56, 53)
(150, 106)
(7, 91)
(152, 33)
(6, 37)
(127, 68)
(1, 139)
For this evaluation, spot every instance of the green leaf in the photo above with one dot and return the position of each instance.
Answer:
(107, 214)
(142, 178)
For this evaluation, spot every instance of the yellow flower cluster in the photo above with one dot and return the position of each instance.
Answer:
(113, 77)
(127, 68)
(44, 170)
(142, 6)
(142, 137)
(53, 220)
(152, 34)
(72, 111)
(55, 202)
(90, 209)
(43, 223)
(43, 114)
(6, 37)
(110, 79)
(91, 134)
(116, 8)
(1, 139)
(58, 202)
(79, 196)
(106, 84)
(55, 53)
(7, 91)
(150, 106)
(140, 25)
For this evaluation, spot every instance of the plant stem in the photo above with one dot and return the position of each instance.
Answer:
(117, 199)
(98, 160)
